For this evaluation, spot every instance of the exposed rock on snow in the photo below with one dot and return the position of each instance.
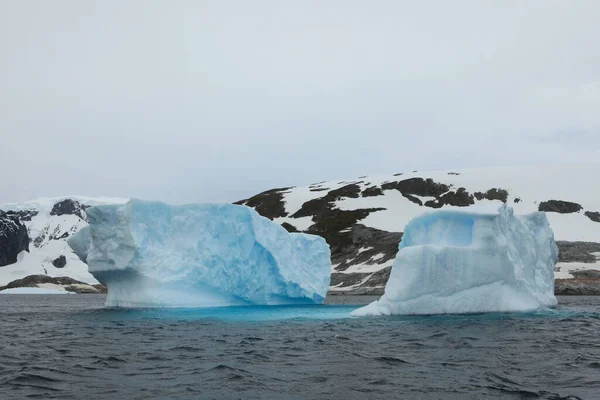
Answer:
(387, 203)
(578, 252)
(13, 238)
(268, 204)
(340, 210)
(63, 283)
(69, 207)
(34, 290)
(559, 206)
(593, 215)
(59, 262)
(47, 223)
(454, 262)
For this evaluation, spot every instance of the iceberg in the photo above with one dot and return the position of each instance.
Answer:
(151, 254)
(471, 261)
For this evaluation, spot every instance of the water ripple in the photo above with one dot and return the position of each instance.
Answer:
(71, 347)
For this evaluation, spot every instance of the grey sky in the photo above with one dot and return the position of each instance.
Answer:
(187, 101)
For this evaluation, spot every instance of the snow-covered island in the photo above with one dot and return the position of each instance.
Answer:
(151, 254)
(362, 220)
(471, 261)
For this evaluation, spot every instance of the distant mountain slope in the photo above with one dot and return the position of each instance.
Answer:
(362, 219)
(47, 223)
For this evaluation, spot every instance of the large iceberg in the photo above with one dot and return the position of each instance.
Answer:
(471, 261)
(151, 254)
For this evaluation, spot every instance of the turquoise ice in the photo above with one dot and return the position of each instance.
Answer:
(151, 254)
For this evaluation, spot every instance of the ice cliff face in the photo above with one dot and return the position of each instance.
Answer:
(453, 262)
(200, 255)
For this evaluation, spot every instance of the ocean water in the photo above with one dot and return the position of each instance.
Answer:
(70, 347)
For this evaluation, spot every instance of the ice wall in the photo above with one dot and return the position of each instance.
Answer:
(151, 254)
(471, 261)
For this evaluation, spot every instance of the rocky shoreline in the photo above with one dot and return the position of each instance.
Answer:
(59, 283)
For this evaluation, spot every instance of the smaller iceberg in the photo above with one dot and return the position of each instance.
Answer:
(151, 254)
(471, 261)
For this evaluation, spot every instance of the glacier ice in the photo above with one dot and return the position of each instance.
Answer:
(470, 261)
(151, 254)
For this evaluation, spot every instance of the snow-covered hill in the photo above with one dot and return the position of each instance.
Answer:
(49, 222)
(362, 219)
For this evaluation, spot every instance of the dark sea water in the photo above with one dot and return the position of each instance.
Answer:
(70, 347)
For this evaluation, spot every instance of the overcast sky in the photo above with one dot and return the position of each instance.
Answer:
(190, 101)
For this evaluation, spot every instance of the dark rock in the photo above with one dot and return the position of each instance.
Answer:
(101, 288)
(412, 198)
(341, 280)
(517, 200)
(586, 273)
(346, 246)
(366, 291)
(13, 238)
(22, 215)
(577, 287)
(577, 251)
(63, 236)
(594, 216)
(331, 222)
(493, 194)
(559, 206)
(399, 174)
(418, 187)
(458, 198)
(453, 173)
(59, 262)
(69, 207)
(379, 278)
(70, 284)
(372, 191)
(319, 189)
(269, 204)
(319, 206)
(289, 227)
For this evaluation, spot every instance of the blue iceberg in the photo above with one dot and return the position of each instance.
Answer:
(475, 260)
(151, 254)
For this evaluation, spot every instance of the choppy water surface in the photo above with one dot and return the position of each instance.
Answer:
(71, 347)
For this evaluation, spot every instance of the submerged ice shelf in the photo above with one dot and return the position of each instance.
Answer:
(151, 254)
(471, 261)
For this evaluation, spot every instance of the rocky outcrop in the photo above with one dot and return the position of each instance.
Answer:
(418, 187)
(323, 205)
(559, 206)
(60, 262)
(13, 238)
(458, 198)
(22, 215)
(64, 282)
(577, 287)
(494, 194)
(268, 204)
(372, 191)
(69, 207)
(593, 215)
(581, 252)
